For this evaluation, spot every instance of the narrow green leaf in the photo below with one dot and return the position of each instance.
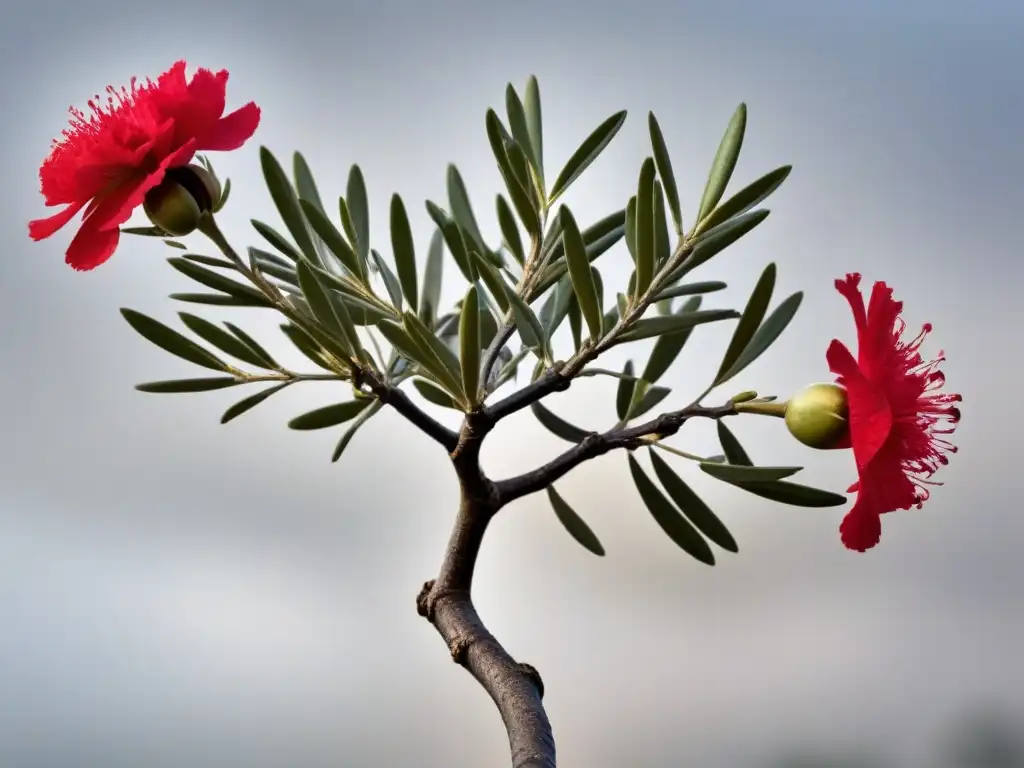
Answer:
(329, 415)
(171, 341)
(655, 326)
(509, 230)
(524, 173)
(430, 298)
(358, 422)
(794, 494)
(469, 345)
(494, 281)
(217, 281)
(668, 179)
(462, 210)
(669, 345)
(555, 309)
(359, 210)
(580, 273)
(575, 322)
(276, 240)
(218, 300)
(287, 203)
(614, 225)
(332, 238)
(574, 524)
(453, 239)
(305, 186)
(518, 126)
(725, 162)
(731, 446)
(144, 231)
(391, 283)
(649, 400)
(225, 193)
(250, 402)
(397, 336)
(766, 335)
(529, 327)
(691, 289)
(645, 228)
(716, 240)
(630, 227)
(733, 473)
(209, 261)
(750, 320)
(521, 200)
(307, 346)
(434, 394)
(534, 125)
(751, 195)
(587, 153)
(405, 252)
(662, 244)
(691, 505)
(331, 314)
(441, 358)
(558, 426)
(266, 361)
(221, 339)
(177, 386)
(667, 516)
(624, 393)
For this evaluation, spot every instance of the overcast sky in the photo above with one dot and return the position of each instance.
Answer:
(178, 593)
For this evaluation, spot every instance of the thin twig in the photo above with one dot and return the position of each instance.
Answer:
(596, 444)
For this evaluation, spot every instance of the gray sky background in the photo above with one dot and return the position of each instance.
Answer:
(174, 592)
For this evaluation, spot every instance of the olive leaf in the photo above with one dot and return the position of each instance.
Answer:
(430, 297)
(405, 252)
(336, 243)
(558, 426)
(661, 158)
(656, 326)
(358, 212)
(287, 203)
(329, 415)
(677, 527)
(580, 273)
(250, 402)
(171, 341)
(692, 506)
(725, 162)
(745, 199)
(434, 394)
(217, 281)
(587, 153)
(573, 523)
(644, 234)
(624, 392)
(750, 320)
(177, 386)
(469, 345)
(358, 422)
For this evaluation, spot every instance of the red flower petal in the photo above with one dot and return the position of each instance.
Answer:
(870, 415)
(40, 229)
(232, 131)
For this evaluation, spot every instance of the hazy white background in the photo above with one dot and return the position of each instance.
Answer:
(177, 593)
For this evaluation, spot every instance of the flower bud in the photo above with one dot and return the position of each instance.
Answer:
(184, 196)
(817, 416)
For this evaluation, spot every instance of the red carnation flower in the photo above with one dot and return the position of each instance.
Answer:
(107, 162)
(897, 416)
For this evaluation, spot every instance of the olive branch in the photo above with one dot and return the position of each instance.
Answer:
(338, 296)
